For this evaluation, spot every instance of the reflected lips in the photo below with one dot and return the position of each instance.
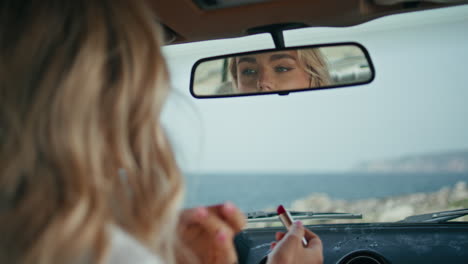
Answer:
(287, 220)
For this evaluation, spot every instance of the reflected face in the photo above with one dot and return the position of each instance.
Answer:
(271, 71)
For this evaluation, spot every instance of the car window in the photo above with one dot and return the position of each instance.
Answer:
(391, 149)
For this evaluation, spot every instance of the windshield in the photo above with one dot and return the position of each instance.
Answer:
(391, 149)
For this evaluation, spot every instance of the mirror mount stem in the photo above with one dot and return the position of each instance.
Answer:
(278, 38)
(276, 32)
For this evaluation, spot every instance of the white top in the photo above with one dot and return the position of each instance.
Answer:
(125, 249)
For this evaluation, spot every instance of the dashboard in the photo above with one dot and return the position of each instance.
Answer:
(371, 243)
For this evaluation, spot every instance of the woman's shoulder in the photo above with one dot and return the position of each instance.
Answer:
(125, 249)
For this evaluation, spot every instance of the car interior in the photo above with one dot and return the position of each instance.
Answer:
(326, 49)
(429, 238)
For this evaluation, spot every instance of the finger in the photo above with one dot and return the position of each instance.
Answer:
(207, 235)
(314, 244)
(279, 235)
(272, 245)
(188, 227)
(217, 231)
(231, 214)
(234, 216)
(192, 215)
(313, 240)
(308, 234)
(292, 241)
(297, 230)
(215, 227)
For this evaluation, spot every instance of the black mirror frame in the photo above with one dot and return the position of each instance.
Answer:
(366, 53)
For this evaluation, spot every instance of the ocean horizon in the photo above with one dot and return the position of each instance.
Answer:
(258, 191)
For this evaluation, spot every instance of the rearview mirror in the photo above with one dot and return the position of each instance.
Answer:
(282, 71)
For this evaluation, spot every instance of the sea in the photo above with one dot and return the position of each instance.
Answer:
(251, 192)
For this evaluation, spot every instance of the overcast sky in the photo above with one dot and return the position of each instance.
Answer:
(418, 102)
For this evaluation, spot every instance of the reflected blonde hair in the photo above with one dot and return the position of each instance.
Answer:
(82, 85)
(313, 62)
(316, 66)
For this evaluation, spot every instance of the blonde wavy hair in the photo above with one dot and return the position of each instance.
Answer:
(314, 64)
(82, 84)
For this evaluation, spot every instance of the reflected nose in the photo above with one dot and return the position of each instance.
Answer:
(265, 82)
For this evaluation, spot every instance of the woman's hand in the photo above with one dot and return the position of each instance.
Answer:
(209, 232)
(289, 249)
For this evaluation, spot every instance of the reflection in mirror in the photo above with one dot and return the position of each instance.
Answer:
(282, 71)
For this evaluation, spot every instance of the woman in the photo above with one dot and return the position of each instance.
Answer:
(279, 71)
(86, 172)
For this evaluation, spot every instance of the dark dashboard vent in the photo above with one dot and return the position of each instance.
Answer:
(363, 257)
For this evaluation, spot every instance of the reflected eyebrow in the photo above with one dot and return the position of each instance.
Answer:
(247, 59)
(281, 56)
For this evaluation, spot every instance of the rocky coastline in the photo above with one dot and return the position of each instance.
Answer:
(388, 209)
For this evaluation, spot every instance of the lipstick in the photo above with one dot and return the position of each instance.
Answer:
(287, 220)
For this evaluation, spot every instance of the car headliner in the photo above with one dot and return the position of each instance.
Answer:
(185, 21)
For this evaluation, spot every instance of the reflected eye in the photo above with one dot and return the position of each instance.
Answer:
(282, 69)
(248, 72)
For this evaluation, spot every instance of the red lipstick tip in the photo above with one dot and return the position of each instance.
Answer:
(280, 210)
